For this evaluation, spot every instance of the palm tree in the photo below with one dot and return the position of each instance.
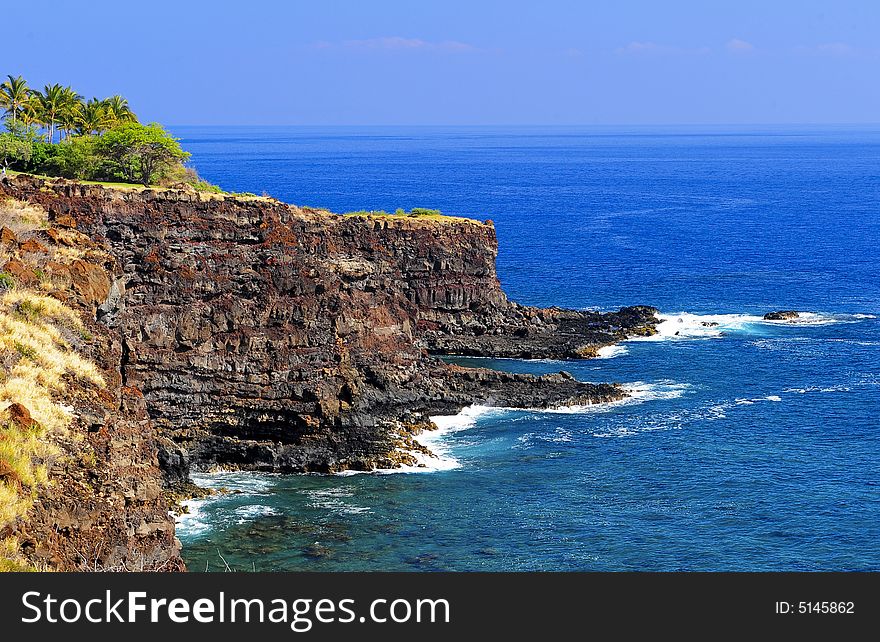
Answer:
(14, 93)
(92, 117)
(50, 106)
(71, 102)
(118, 110)
(29, 113)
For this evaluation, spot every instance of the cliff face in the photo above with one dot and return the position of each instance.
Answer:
(100, 505)
(268, 336)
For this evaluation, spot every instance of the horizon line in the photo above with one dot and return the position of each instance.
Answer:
(584, 125)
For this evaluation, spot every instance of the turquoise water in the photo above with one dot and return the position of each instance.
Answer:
(746, 446)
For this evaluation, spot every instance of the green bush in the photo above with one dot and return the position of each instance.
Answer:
(14, 150)
(179, 175)
(423, 211)
(40, 158)
(205, 186)
(140, 153)
(76, 157)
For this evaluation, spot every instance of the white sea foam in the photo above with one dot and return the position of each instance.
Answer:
(854, 342)
(245, 514)
(335, 492)
(575, 410)
(754, 400)
(687, 326)
(698, 326)
(678, 418)
(440, 458)
(558, 436)
(641, 391)
(817, 318)
(802, 391)
(608, 352)
(465, 419)
(335, 500)
(193, 521)
(435, 440)
(245, 484)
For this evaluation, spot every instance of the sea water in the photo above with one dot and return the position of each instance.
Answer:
(746, 444)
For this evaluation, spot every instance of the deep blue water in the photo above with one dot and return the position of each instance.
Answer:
(748, 445)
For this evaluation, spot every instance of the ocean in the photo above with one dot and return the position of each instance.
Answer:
(748, 445)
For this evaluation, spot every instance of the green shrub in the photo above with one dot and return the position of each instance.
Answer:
(205, 186)
(40, 157)
(75, 157)
(14, 150)
(141, 153)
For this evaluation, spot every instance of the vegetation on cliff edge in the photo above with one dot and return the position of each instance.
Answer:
(57, 132)
(415, 213)
(37, 337)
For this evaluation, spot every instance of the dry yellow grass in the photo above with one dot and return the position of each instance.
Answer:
(9, 561)
(66, 255)
(20, 217)
(38, 362)
(30, 324)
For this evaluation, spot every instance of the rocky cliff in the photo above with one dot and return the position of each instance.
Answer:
(79, 474)
(267, 336)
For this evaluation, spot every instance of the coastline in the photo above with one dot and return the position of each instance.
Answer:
(167, 278)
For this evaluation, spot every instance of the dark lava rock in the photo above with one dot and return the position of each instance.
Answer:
(272, 337)
(781, 315)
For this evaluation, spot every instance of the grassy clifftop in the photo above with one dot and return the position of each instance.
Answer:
(418, 215)
(135, 188)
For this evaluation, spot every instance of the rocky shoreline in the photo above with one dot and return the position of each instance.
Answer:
(264, 336)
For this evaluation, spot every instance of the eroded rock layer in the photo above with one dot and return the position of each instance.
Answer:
(268, 336)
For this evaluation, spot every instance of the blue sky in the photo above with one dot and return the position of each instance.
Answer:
(459, 62)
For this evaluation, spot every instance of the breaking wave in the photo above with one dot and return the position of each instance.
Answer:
(195, 521)
(440, 458)
(608, 352)
(684, 325)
